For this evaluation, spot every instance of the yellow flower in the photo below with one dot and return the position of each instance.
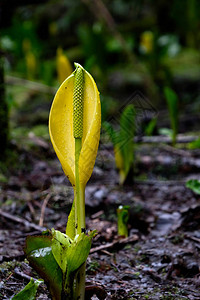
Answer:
(119, 161)
(146, 42)
(61, 127)
(31, 65)
(64, 68)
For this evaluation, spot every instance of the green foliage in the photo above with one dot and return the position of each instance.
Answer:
(39, 253)
(57, 258)
(150, 127)
(123, 141)
(172, 101)
(194, 185)
(194, 144)
(70, 254)
(166, 131)
(93, 266)
(29, 292)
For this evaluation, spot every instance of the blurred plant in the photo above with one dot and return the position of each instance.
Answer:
(194, 185)
(122, 220)
(93, 45)
(60, 258)
(172, 102)
(47, 71)
(53, 28)
(4, 114)
(194, 144)
(168, 45)
(150, 127)
(30, 59)
(146, 42)
(123, 142)
(64, 68)
(166, 131)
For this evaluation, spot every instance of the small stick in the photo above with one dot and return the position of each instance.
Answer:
(23, 275)
(31, 85)
(181, 139)
(130, 239)
(44, 204)
(21, 221)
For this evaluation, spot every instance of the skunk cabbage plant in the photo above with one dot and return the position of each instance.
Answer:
(172, 102)
(123, 142)
(74, 127)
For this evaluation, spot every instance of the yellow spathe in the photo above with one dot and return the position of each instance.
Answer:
(63, 65)
(61, 128)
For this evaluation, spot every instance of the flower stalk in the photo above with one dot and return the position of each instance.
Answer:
(79, 189)
(78, 96)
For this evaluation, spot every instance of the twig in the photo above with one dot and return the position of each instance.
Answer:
(165, 139)
(21, 221)
(45, 202)
(127, 240)
(160, 182)
(31, 208)
(192, 238)
(22, 275)
(176, 151)
(101, 12)
(31, 85)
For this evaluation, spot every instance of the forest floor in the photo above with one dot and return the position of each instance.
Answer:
(160, 258)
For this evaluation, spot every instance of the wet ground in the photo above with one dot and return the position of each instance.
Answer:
(160, 258)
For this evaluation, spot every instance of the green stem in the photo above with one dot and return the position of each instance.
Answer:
(79, 220)
(80, 193)
(69, 288)
(78, 143)
(78, 96)
(80, 283)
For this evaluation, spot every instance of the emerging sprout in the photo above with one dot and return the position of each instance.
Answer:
(122, 220)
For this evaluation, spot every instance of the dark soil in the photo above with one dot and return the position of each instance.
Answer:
(159, 260)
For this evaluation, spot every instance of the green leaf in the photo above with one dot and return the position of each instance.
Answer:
(194, 185)
(79, 251)
(194, 144)
(39, 254)
(113, 135)
(126, 140)
(123, 141)
(29, 292)
(70, 230)
(60, 245)
(150, 127)
(172, 101)
(166, 131)
(70, 254)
